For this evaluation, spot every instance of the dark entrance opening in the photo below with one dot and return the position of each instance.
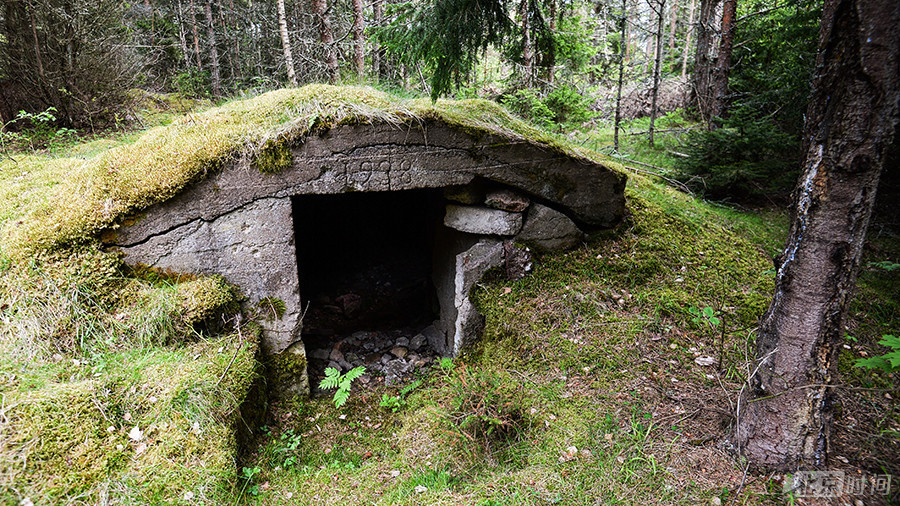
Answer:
(365, 268)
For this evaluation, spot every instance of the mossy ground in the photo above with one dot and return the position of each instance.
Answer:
(585, 388)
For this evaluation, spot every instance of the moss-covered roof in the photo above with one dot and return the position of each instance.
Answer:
(46, 202)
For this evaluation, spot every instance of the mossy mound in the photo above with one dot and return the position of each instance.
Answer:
(50, 202)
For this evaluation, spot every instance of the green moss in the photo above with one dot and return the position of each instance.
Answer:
(274, 157)
(271, 308)
(206, 297)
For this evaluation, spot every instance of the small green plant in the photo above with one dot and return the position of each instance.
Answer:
(397, 402)
(446, 364)
(706, 315)
(247, 475)
(342, 382)
(889, 362)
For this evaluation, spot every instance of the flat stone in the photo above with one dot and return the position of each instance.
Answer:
(403, 341)
(507, 200)
(549, 230)
(336, 355)
(399, 351)
(371, 358)
(482, 220)
(465, 194)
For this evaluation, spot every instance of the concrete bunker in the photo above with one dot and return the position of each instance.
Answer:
(422, 206)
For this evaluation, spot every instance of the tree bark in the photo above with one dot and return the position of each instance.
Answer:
(784, 419)
(673, 24)
(286, 44)
(723, 66)
(657, 66)
(687, 41)
(215, 76)
(377, 53)
(527, 50)
(326, 37)
(195, 32)
(359, 24)
(701, 95)
(623, 54)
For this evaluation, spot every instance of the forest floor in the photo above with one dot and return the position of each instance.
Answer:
(609, 375)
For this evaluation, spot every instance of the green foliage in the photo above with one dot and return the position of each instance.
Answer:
(706, 315)
(746, 157)
(886, 265)
(192, 83)
(564, 104)
(397, 402)
(342, 382)
(35, 131)
(889, 362)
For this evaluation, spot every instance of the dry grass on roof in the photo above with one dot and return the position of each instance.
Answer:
(47, 202)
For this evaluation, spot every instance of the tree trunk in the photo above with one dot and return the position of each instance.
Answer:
(286, 44)
(377, 53)
(527, 50)
(553, 14)
(657, 66)
(784, 419)
(723, 67)
(196, 36)
(359, 24)
(623, 53)
(687, 42)
(673, 23)
(701, 95)
(182, 38)
(215, 77)
(326, 37)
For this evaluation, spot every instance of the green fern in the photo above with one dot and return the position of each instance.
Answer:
(334, 379)
(889, 362)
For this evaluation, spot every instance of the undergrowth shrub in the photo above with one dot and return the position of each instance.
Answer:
(563, 105)
(748, 157)
(487, 413)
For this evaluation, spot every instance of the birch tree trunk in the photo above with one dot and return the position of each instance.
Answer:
(784, 419)
(286, 44)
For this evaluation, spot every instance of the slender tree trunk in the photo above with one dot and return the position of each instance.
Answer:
(527, 50)
(286, 44)
(196, 36)
(673, 23)
(326, 37)
(377, 55)
(623, 54)
(701, 95)
(149, 7)
(182, 38)
(213, 50)
(723, 67)
(657, 66)
(687, 42)
(784, 419)
(553, 14)
(359, 24)
(226, 34)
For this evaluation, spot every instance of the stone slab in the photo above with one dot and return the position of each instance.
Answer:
(482, 220)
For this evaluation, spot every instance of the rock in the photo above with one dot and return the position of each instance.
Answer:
(371, 358)
(507, 200)
(482, 220)
(403, 341)
(334, 365)
(336, 355)
(350, 303)
(516, 260)
(417, 342)
(549, 230)
(394, 370)
(399, 351)
(385, 358)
